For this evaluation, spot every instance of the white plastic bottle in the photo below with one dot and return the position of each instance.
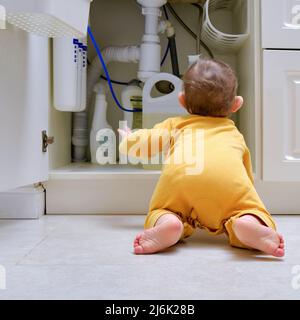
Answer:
(99, 121)
(132, 98)
(158, 109)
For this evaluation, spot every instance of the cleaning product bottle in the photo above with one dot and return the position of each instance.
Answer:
(158, 109)
(99, 122)
(132, 98)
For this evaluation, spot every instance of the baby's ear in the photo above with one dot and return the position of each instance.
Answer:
(237, 104)
(181, 98)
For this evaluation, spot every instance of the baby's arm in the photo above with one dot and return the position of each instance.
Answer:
(248, 164)
(146, 143)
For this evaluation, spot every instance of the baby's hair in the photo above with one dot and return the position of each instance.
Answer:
(210, 87)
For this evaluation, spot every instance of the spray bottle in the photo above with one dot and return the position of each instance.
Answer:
(99, 120)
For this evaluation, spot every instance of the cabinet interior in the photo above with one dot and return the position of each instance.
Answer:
(107, 19)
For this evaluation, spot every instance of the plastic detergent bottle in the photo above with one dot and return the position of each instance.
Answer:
(99, 122)
(132, 98)
(158, 109)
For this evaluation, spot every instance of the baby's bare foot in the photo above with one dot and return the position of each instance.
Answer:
(257, 236)
(166, 233)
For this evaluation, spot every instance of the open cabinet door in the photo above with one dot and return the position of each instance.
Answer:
(24, 105)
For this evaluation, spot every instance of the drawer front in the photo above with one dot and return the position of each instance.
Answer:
(280, 24)
(281, 115)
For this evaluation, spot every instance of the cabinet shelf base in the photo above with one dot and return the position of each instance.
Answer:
(90, 189)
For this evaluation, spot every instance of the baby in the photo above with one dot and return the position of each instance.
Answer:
(221, 197)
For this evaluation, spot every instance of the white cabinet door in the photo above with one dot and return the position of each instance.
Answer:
(281, 115)
(280, 24)
(24, 103)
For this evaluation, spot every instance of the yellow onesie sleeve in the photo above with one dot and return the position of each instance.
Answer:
(248, 164)
(146, 143)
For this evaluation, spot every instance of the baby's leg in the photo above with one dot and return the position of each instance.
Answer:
(254, 234)
(166, 232)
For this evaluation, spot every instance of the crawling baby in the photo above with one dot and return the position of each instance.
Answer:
(218, 197)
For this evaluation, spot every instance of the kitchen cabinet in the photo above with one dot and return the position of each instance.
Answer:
(24, 105)
(269, 80)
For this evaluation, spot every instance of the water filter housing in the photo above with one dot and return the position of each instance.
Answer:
(69, 74)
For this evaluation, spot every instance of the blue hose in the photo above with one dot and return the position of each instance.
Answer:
(107, 74)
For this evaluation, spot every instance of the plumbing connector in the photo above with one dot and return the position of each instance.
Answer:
(194, 58)
(166, 27)
(150, 53)
(152, 3)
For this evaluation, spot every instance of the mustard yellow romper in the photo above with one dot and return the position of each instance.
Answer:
(212, 199)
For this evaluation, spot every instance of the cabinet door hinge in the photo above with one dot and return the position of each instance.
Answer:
(46, 140)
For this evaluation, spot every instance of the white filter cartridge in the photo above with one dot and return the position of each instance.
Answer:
(67, 75)
(79, 72)
(84, 73)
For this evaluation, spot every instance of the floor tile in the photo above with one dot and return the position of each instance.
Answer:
(90, 257)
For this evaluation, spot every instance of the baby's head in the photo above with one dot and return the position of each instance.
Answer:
(210, 89)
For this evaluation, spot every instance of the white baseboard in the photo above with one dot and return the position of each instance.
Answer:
(280, 197)
(104, 196)
(131, 195)
(22, 203)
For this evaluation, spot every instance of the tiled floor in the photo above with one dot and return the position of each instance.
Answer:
(90, 257)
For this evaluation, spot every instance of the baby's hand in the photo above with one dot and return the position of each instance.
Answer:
(125, 132)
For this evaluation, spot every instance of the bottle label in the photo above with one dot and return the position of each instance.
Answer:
(103, 144)
(137, 103)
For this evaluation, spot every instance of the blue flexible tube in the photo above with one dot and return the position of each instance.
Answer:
(107, 74)
(121, 83)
